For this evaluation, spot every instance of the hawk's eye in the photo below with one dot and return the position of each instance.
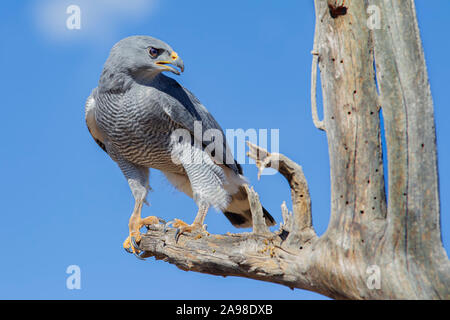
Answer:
(153, 52)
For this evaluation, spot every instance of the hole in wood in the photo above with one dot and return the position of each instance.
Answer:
(336, 11)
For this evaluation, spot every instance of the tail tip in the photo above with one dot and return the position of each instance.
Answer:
(245, 220)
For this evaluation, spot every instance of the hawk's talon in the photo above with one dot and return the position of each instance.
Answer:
(132, 247)
(134, 243)
(138, 256)
(183, 227)
(131, 242)
(177, 235)
(167, 225)
(128, 250)
(161, 220)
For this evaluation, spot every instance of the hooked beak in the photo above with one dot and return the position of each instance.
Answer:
(175, 61)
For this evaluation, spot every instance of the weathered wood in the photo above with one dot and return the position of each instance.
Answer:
(246, 255)
(259, 225)
(413, 228)
(397, 241)
(301, 228)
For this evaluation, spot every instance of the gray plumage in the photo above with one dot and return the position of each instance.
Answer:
(132, 115)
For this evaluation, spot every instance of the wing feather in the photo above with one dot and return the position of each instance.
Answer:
(184, 108)
(95, 132)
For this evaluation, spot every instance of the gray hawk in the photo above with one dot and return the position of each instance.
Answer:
(133, 115)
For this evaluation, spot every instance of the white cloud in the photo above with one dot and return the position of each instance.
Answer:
(100, 19)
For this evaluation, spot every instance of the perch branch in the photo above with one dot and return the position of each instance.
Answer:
(246, 255)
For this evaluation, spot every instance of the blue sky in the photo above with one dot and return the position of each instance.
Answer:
(64, 202)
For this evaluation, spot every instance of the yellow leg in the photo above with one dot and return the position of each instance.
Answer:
(134, 225)
(183, 227)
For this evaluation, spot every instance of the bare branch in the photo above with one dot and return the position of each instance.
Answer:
(287, 218)
(259, 224)
(302, 229)
(246, 255)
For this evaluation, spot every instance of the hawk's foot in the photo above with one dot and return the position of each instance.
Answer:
(131, 242)
(183, 227)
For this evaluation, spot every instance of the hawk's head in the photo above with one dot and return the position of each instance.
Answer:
(139, 57)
